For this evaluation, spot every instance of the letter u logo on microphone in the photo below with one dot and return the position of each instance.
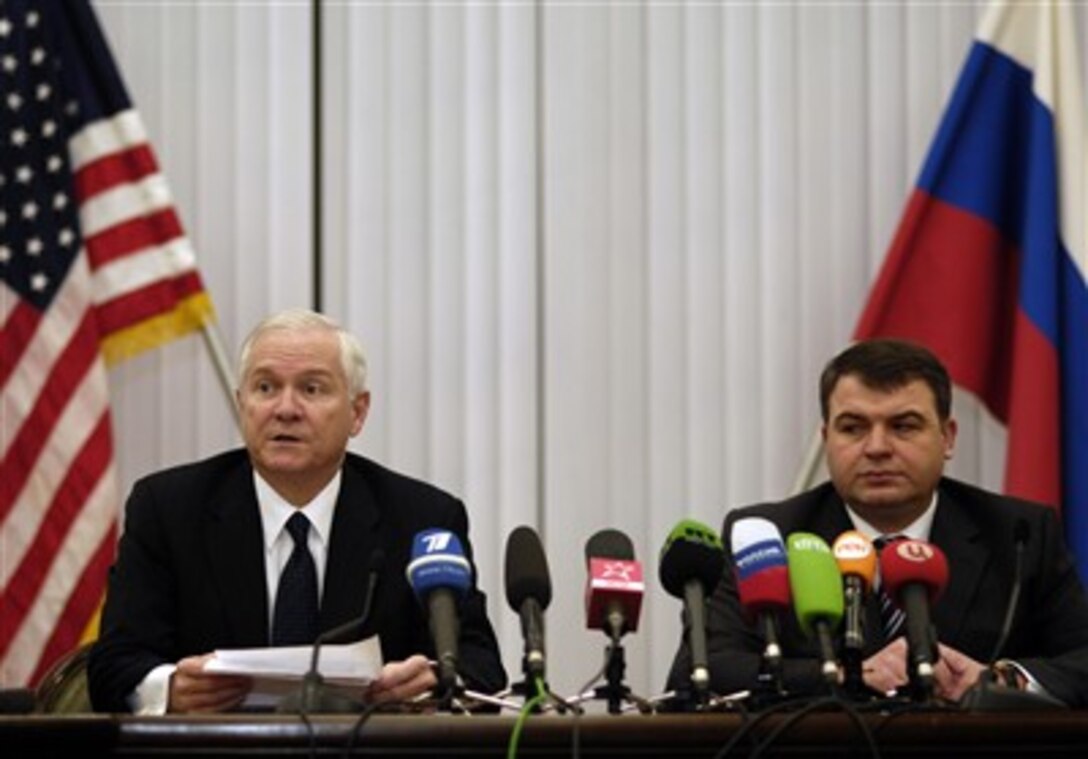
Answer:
(914, 550)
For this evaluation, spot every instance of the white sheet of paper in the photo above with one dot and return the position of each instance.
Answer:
(354, 665)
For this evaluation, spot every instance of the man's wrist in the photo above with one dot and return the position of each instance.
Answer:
(1008, 674)
(151, 696)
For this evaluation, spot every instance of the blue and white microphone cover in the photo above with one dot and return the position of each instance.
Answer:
(438, 561)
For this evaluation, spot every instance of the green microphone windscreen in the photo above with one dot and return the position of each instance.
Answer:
(815, 581)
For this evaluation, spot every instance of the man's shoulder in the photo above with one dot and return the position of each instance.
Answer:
(178, 494)
(210, 470)
(986, 503)
(387, 483)
(793, 513)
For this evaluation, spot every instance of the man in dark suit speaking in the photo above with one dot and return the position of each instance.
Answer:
(273, 544)
(888, 430)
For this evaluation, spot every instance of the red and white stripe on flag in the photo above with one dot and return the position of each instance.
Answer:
(94, 267)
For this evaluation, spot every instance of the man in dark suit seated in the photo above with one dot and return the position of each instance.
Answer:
(888, 430)
(205, 545)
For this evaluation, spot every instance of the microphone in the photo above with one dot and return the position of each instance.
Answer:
(1021, 533)
(440, 575)
(763, 580)
(312, 696)
(528, 591)
(614, 587)
(984, 696)
(690, 566)
(817, 594)
(915, 573)
(856, 558)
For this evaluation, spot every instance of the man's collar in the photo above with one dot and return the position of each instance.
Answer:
(275, 510)
(919, 529)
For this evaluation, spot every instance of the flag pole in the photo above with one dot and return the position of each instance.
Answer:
(213, 340)
(807, 473)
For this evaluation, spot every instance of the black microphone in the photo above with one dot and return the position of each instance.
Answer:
(985, 695)
(312, 695)
(528, 591)
(691, 564)
(1020, 534)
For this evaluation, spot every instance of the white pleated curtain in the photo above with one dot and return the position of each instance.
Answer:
(597, 252)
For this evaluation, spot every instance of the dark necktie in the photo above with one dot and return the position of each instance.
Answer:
(891, 616)
(294, 621)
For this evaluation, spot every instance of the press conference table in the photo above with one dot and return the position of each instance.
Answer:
(630, 735)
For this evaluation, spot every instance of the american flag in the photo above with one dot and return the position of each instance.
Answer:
(94, 267)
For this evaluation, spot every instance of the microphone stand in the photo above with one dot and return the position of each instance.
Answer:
(828, 667)
(853, 682)
(533, 671)
(986, 695)
(770, 674)
(615, 692)
(313, 695)
(682, 701)
(452, 699)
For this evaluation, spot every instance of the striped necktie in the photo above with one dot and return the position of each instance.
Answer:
(891, 616)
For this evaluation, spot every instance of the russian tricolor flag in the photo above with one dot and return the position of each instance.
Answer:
(988, 265)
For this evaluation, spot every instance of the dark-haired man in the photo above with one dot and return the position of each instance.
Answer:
(888, 431)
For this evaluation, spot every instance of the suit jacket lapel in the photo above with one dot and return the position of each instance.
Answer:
(353, 539)
(234, 543)
(958, 535)
(830, 517)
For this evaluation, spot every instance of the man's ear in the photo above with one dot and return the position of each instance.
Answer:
(949, 430)
(360, 407)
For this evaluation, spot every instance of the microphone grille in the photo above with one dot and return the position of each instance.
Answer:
(527, 573)
(692, 552)
(610, 544)
(855, 555)
(914, 561)
(751, 531)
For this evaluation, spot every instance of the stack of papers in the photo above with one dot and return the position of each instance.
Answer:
(276, 671)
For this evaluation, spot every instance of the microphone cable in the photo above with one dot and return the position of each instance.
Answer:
(357, 728)
(311, 735)
(836, 702)
(530, 705)
(749, 721)
(807, 706)
(578, 711)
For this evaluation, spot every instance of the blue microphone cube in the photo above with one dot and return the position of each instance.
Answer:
(438, 561)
